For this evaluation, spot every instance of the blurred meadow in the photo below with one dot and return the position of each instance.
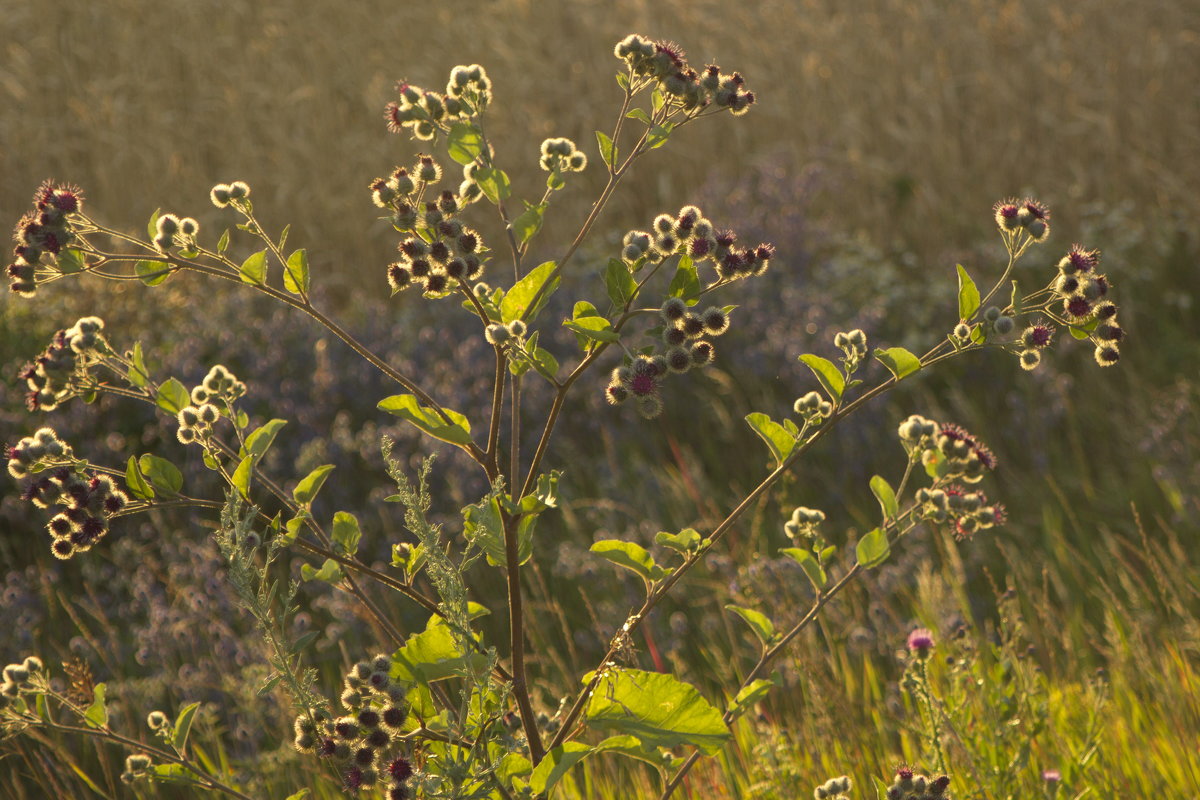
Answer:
(1068, 639)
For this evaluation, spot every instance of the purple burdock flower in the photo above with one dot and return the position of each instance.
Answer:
(1051, 775)
(920, 642)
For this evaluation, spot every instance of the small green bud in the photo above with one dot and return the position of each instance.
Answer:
(517, 328)
(1003, 326)
(156, 720)
(962, 332)
(239, 190)
(991, 314)
(1030, 359)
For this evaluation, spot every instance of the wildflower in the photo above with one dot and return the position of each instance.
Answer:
(920, 642)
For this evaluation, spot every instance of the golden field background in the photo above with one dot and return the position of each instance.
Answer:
(920, 114)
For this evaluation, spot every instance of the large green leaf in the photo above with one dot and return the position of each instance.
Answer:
(872, 549)
(152, 273)
(308, 487)
(886, 496)
(254, 268)
(432, 655)
(608, 150)
(685, 282)
(163, 475)
(346, 533)
(631, 556)
(330, 572)
(749, 695)
(172, 397)
(780, 439)
(295, 275)
(620, 284)
(405, 406)
(494, 183)
(258, 442)
(515, 304)
(96, 715)
(899, 361)
(586, 329)
(556, 764)
(482, 525)
(685, 541)
(808, 563)
(464, 142)
(136, 482)
(759, 622)
(660, 710)
(526, 226)
(829, 376)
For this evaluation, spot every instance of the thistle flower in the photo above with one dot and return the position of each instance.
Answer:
(920, 642)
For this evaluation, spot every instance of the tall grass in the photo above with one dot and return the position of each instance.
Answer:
(911, 108)
(912, 117)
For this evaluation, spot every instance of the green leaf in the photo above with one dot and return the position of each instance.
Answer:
(659, 709)
(597, 329)
(658, 135)
(464, 143)
(526, 226)
(482, 526)
(456, 431)
(96, 715)
(1015, 300)
(152, 225)
(544, 362)
(71, 260)
(641, 116)
(223, 242)
(608, 150)
(899, 361)
(1082, 330)
(545, 494)
(152, 273)
(135, 482)
(330, 572)
(254, 268)
(494, 183)
(295, 276)
(346, 533)
(623, 80)
(886, 496)
(631, 747)
(872, 549)
(172, 397)
(258, 442)
(686, 541)
(749, 695)
(759, 622)
(283, 235)
(308, 487)
(241, 476)
(685, 282)
(829, 376)
(968, 295)
(556, 764)
(139, 376)
(620, 284)
(631, 556)
(515, 304)
(163, 475)
(183, 726)
(781, 442)
(171, 773)
(808, 563)
(432, 655)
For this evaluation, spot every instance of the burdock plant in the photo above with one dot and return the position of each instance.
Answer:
(442, 712)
